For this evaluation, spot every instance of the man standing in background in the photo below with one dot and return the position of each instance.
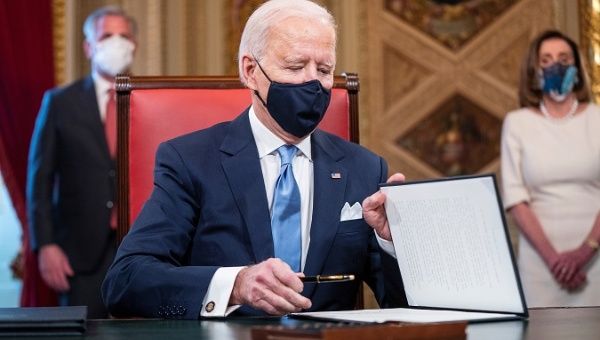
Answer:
(71, 172)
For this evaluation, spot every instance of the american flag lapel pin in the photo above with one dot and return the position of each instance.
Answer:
(336, 175)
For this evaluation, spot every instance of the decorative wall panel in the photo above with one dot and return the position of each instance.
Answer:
(450, 22)
(403, 75)
(457, 138)
(450, 74)
(502, 67)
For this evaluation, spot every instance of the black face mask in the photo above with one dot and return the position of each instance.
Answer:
(297, 108)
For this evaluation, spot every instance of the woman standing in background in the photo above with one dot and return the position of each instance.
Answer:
(551, 176)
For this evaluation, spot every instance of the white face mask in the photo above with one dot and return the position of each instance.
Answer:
(113, 55)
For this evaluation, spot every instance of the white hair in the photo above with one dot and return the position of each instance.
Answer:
(268, 15)
(89, 26)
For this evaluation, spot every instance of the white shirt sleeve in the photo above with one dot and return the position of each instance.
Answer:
(216, 300)
(387, 246)
(515, 190)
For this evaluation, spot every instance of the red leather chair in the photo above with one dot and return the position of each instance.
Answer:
(154, 109)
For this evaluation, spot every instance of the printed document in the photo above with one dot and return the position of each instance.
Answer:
(453, 252)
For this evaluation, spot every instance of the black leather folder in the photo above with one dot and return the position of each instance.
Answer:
(42, 321)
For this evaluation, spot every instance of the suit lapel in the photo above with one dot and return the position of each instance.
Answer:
(328, 196)
(242, 169)
(91, 114)
(241, 163)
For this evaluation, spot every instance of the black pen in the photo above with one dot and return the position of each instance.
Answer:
(327, 278)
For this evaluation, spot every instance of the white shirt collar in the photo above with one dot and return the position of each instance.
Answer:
(101, 84)
(267, 142)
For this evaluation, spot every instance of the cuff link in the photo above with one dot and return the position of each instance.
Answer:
(209, 307)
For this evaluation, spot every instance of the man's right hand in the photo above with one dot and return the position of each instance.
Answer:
(54, 267)
(270, 286)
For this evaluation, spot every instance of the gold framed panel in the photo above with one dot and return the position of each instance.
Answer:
(589, 14)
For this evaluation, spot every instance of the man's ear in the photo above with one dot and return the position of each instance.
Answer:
(249, 71)
(87, 48)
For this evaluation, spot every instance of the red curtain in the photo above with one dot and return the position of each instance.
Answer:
(26, 71)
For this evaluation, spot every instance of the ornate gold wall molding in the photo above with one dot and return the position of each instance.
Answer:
(59, 40)
(590, 41)
(434, 109)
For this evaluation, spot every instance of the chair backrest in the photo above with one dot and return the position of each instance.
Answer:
(154, 109)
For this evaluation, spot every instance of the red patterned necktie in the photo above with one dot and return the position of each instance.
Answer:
(110, 129)
(110, 123)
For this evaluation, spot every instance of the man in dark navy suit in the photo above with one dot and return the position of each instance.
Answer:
(244, 209)
(71, 179)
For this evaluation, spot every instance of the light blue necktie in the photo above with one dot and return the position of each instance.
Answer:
(285, 220)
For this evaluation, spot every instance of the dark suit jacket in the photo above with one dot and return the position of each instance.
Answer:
(209, 209)
(71, 177)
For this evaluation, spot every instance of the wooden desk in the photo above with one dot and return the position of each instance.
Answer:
(543, 324)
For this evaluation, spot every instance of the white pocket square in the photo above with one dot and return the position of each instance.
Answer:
(349, 213)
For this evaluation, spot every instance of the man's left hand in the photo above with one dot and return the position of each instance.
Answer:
(374, 210)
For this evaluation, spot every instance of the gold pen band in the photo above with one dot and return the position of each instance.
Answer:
(327, 278)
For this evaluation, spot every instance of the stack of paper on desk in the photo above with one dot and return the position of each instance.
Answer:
(453, 251)
(405, 315)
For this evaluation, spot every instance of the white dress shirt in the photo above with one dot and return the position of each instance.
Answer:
(221, 285)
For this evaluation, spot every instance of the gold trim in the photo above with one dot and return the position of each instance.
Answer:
(59, 40)
(589, 11)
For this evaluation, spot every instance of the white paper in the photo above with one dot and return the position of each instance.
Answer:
(405, 315)
(451, 245)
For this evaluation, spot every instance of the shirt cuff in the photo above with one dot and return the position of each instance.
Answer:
(216, 300)
(386, 246)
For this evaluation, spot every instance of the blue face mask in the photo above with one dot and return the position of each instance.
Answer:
(558, 80)
(297, 108)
